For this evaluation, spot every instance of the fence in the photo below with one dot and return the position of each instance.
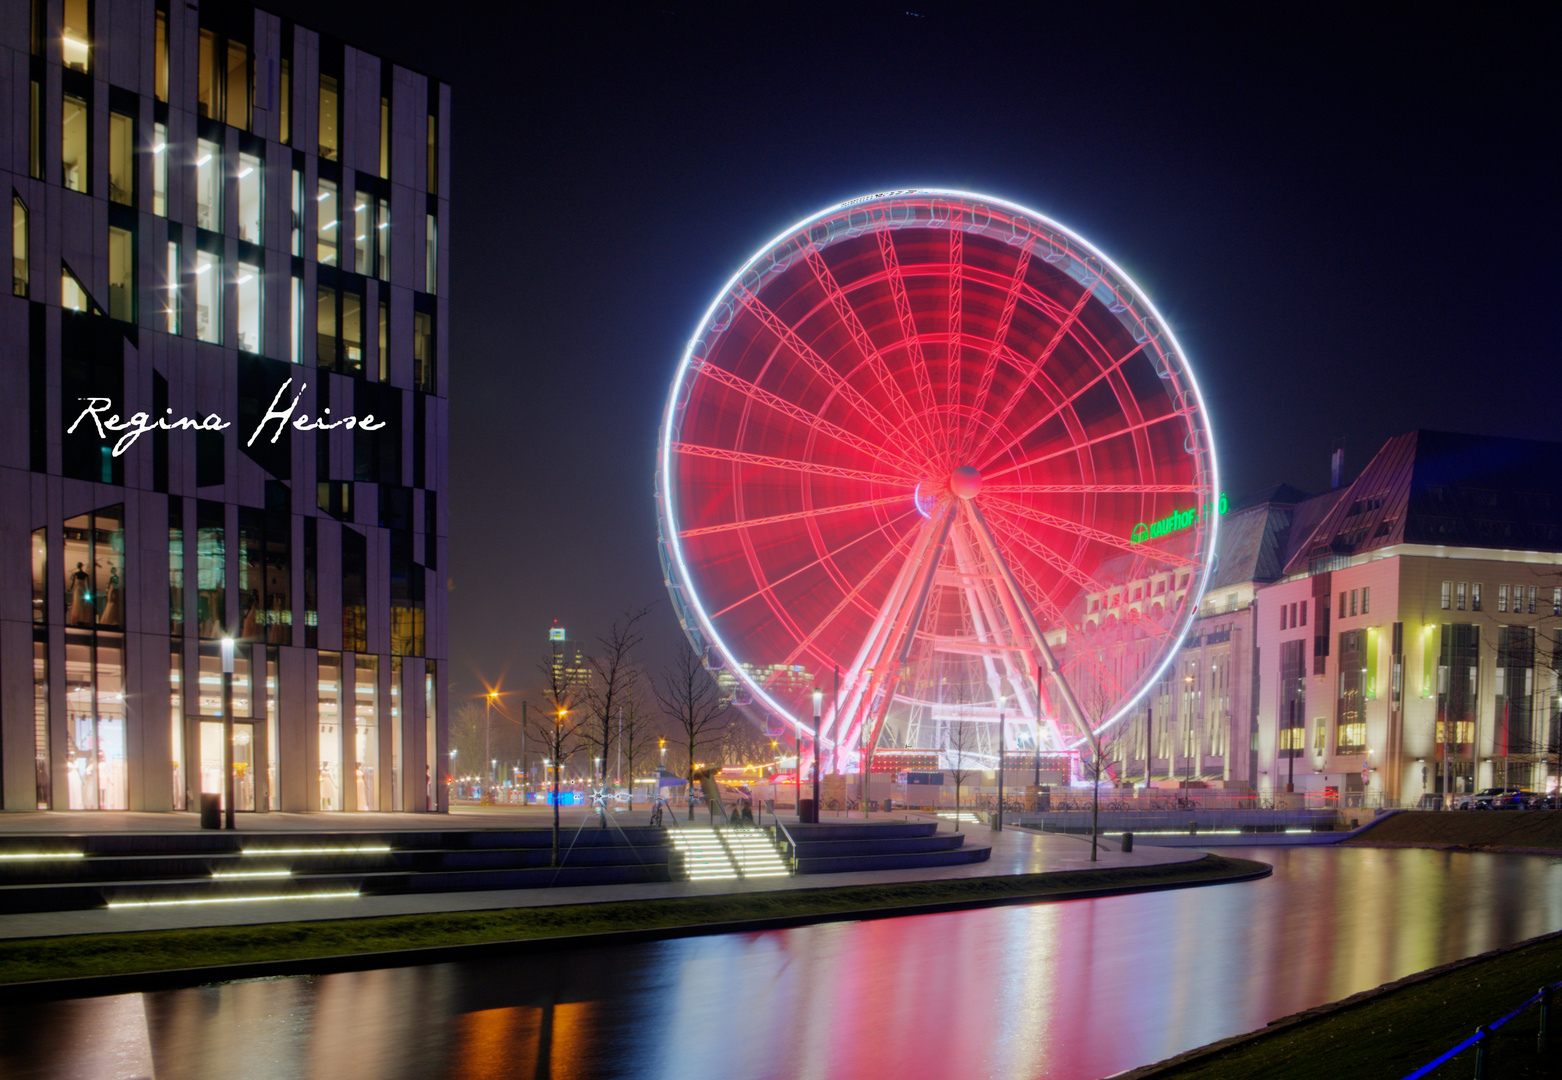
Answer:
(1483, 1034)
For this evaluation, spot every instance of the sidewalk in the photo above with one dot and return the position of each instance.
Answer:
(1013, 852)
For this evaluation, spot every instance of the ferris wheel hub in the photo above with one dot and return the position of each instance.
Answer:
(965, 482)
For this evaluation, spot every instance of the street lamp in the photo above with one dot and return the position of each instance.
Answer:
(818, 708)
(227, 730)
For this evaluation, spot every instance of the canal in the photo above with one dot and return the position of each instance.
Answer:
(1082, 989)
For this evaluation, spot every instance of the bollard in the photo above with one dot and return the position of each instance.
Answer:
(1545, 1017)
(1128, 843)
(1193, 828)
(1480, 1051)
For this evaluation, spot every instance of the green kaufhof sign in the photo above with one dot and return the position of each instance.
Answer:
(1175, 521)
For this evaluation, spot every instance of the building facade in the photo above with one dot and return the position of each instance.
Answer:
(225, 344)
(1411, 646)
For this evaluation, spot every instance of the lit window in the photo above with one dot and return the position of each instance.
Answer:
(352, 332)
(250, 175)
(208, 79)
(1459, 591)
(208, 297)
(325, 327)
(328, 118)
(121, 275)
(285, 103)
(1556, 601)
(238, 85)
(249, 297)
(160, 57)
(431, 256)
(1448, 590)
(383, 233)
(433, 156)
(363, 238)
(208, 185)
(296, 243)
(384, 138)
(171, 285)
(296, 351)
(326, 223)
(423, 351)
(121, 159)
(19, 272)
(1475, 596)
(384, 342)
(73, 143)
(1353, 601)
(77, 50)
(1533, 596)
(160, 170)
(1502, 598)
(72, 296)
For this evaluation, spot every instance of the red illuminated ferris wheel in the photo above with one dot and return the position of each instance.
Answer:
(940, 443)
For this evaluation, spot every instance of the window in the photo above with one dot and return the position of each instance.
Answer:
(1459, 591)
(384, 138)
(1448, 589)
(352, 333)
(208, 185)
(121, 158)
(1366, 598)
(329, 698)
(237, 85)
(76, 48)
(1293, 695)
(160, 57)
(251, 172)
(296, 349)
(325, 327)
(1353, 593)
(72, 296)
(1342, 604)
(19, 271)
(382, 231)
(208, 297)
(34, 131)
(325, 226)
(366, 711)
(1282, 616)
(94, 555)
(172, 286)
(384, 342)
(121, 275)
(160, 170)
(363, 238)
(328, 118)
(433, 156)
(285, 103)
(249, 298)
(423, 351)
(208, 78)
(1502, 598)
(1351, 733)
(1304, 612)
(1533, 596)
(431, 256)
(296, 243)
(1475, 596)
(1556, 601)
(73, 143)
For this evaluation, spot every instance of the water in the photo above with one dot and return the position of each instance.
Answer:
(1072, 990)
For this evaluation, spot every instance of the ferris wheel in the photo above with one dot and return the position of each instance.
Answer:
(937, 448)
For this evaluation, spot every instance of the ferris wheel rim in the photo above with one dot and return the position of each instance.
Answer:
(679, 576)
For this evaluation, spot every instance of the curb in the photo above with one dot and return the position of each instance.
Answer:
(1321, 1012)
(177, 978)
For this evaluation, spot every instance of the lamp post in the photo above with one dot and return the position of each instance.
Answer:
(1291, 751)
(818, 708)
(488, 731)
(227, 731)
(998, 818)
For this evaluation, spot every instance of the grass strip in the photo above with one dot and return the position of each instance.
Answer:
(1396, 1031)
(29, 959)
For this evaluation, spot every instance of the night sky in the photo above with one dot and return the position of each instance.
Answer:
(1350, 218)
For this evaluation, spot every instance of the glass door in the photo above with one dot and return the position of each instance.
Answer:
(249, 782)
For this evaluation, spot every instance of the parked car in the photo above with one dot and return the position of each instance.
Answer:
(1510, 800)
(1546, 802)
(1479, 800)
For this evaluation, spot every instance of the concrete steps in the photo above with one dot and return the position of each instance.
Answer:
(838, 848)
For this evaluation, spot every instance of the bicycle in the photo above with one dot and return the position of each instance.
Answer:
(656, 812)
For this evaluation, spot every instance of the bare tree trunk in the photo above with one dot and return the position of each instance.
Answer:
(1095, 808)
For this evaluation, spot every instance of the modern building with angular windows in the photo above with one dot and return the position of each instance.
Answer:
(224, 412)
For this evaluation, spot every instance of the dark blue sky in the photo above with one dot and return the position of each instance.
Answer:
(1349, 216)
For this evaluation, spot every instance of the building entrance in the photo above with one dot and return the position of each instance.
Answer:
(249, 750)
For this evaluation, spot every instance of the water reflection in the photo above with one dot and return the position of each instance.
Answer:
(1081, 989)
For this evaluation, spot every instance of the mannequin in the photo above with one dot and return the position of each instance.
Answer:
(79, 589)
(113, 605)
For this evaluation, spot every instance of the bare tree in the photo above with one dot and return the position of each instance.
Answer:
(610, 670)
(640, 732)
(558, 724)
(693, 703)
(959, 743)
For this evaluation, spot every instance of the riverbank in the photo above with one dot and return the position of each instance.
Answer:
(87, 964)
(1394, 1029)
(1517, 831)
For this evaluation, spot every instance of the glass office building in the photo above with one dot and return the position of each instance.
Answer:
(224, 413)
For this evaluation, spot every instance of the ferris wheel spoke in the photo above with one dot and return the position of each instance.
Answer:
(908, 331)
(1062, 565)
(821, 560)
(907, 413)
(800, 414)
(1085, 444)
(813, 468)
(795, 515)
(1089, 489)
(956, 293)
(1041, 517)
(1035, 369)
(817, 364)
(1010, 301)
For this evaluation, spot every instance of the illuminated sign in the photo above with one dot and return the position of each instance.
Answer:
(1175, 521)
(556, 634)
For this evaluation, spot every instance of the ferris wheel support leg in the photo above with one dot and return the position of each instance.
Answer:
(979, 600)
(1065, 691)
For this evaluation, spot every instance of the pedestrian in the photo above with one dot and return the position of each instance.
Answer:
(748, 814)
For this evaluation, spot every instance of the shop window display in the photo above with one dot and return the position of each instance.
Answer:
(94, 555)
(366, 712)
(330, 714)
(95, 721)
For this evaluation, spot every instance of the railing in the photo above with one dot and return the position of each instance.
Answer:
(1484, 1033)
(791, 844)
